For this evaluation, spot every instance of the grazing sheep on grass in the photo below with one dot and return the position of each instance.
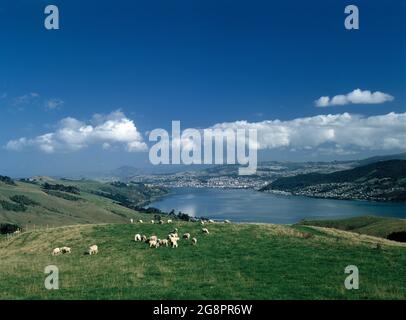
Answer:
(56, 252)
(174, 242)
(153, 238)
(227, 221)
(211, 220)
(161, 222)
(144, 238)
(202, 222)
(140, 221)
(169, 221)
(93, 250)
(131, 220)
(66, 250)
(194, 241)
(164, 242)
(153, 244)
(152, 221)
(186, 236)
(205, 230)
(137, 237)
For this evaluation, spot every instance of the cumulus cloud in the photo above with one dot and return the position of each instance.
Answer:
(73, 135)
(339, 133)
(357, 96)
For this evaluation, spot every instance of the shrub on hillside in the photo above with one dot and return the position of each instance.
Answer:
(21, 199)
(8, 228)
(9, 206)
(7, 180)
(60, 187)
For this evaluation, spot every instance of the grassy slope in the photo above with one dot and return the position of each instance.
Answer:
(245, 261)
(55, 211)
(370, 225)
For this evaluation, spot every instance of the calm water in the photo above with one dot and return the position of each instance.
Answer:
(252, 206)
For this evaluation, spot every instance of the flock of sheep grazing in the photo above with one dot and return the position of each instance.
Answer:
(153, 241)
(171, 240)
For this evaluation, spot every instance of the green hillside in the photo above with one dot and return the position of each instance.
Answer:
(383, 180)
(69, 202)
(244, 261)
(370, 225)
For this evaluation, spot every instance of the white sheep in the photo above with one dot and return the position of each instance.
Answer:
(205, 230)
(202, 222)
(137, 237)
(144, 238)
(153, 244)
(161, 222)
(131, 220)
(56, 251)
(227, 221)
(194, 241)
(174, 242)
(186, 236)
(164, 242)
(93, 250)
(169, 221)
(152, 221)
(153, 238)
(211, 220)
(66, 250)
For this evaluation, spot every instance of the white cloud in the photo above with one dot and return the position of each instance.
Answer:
(340, 133)
(73, 135)
(357, 96)
(54, 103)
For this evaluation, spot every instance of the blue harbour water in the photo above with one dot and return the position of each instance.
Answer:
(242, 205)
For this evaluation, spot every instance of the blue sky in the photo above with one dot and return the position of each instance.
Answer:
(201, 62)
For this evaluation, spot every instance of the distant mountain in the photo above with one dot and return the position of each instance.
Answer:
(383, 180)
(399, 156)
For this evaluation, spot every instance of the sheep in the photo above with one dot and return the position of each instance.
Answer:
(211, 220)
(17, 232)
(152, 221)
(161, 222)
(174, 242)
(153, 244)
(194, 241)
(164, 242)
(172, 235)
(137, 237)
(202, 222)
(131, 220)
(227, 221)
(140, 221)
(144, 238)
(186, 236)
(153, 238)
(56, 252)
(205, 230)
(93, 250)
(66, 250)
(169, 221)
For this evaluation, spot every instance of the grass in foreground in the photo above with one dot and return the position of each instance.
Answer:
(237, 261)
